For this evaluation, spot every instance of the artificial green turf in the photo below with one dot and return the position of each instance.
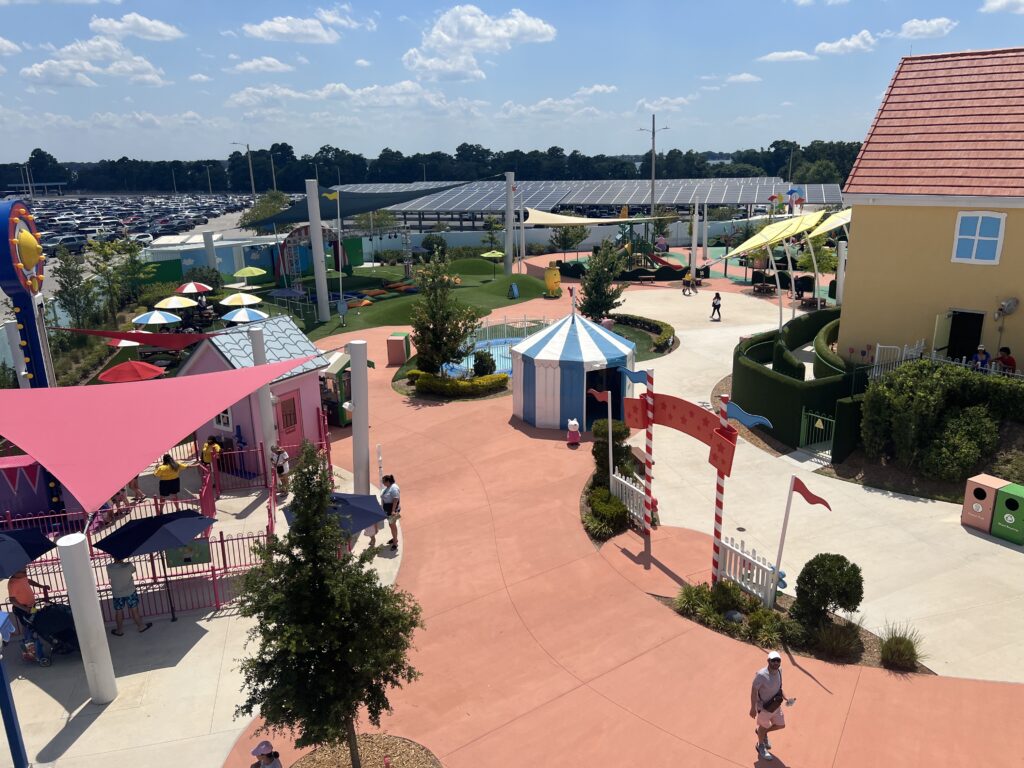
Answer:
(473, 266)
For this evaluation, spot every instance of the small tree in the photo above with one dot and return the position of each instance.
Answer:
(661, 225)
(435, 245)
(119, 272)
(75, 293)
(620, 451)
(208, 275)
(441, 324)
(600, 294)
(568, 238)
(376, 222)
(492, 226)
(827, 583)
(330, 638)
(266, 205)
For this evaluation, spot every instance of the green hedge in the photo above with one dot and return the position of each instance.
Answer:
(460, 389)
(846, 435)
(666, 333)
(827, 362)
(786, 363)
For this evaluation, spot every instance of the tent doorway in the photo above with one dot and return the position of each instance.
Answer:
(604, 379)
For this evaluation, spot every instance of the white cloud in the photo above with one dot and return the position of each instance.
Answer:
(511, 109)
(786, 104)
(995, 6)
(917, 28)
(743, 77)
(590, 90)
(8, 48)
(233, 57)
(135, 25)
(709, 77)
(788, 56)
(341, 16)
(58, 2)
(199, 77)
(362, 63)
(664, 103)
(289, 29)
(261, 64)
(711, 87)
(228, 33)
(448, 49)
(302, 59)
(862, 42)
(61, 73)
(78, 63)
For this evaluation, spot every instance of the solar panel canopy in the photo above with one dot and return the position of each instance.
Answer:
(489, 196)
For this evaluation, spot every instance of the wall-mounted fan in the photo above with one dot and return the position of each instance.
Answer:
(1007, 307)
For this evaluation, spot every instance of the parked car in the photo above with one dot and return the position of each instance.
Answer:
(143, 237)
(71, 243)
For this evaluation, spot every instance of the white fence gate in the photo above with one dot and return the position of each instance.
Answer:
(630, 493)
(748, 569)
(889, 358)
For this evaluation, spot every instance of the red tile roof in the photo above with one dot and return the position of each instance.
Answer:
(951, 124)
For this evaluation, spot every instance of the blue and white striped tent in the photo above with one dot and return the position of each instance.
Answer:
(552, 369)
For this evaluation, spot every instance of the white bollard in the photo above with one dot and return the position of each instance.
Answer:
(360, 417)
(85, 608)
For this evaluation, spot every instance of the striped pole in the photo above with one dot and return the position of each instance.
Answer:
(723, 419)
(649, 469)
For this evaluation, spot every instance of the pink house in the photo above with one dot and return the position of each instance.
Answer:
(295, 396)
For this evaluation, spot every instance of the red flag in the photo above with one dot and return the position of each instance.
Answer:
(601, 397)
(810, 498)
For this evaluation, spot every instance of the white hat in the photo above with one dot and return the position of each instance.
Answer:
(774, 655)
(263, 748)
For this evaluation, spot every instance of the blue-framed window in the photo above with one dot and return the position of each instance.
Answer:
(979, 237)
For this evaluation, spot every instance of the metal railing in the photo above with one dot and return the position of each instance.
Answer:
(631, 494)
(508, 328)
(889, 358)
(748, 569)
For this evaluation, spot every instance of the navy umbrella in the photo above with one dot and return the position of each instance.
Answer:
(155, 534)
(19, 548)
(418, 249)
(287, 293)
(353, 511)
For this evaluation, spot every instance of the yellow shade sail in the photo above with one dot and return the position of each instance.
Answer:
(778, 231)
(834, 221)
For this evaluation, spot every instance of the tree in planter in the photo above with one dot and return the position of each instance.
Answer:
(75, 293)
(662, 226)
(620, 451)
(441, 324)
(568, 238)
(330, 638)
(600, 294)
(827, 583)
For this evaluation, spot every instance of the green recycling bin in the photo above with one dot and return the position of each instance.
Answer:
(1008, 517)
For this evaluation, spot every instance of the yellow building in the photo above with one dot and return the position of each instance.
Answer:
(936, 248)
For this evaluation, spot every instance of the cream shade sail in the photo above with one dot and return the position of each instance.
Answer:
(778, 231)
(535, 218)
(834, 221)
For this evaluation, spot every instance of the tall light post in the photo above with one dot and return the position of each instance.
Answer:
(653, 131)
(174, 181)
(424, 167)
(209, 182)
(252, 178)
(273, 170)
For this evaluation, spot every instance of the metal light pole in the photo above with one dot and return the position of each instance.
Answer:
(273, 171)
(174, 181)
(252, 178)
(424, 165)
(653, 131)
(209, 182)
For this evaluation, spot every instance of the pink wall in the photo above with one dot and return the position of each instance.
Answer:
(308, 385)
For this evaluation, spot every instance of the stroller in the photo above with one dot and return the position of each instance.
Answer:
(55, 632)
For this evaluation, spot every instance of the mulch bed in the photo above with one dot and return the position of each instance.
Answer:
(757, 436)
(373, 748)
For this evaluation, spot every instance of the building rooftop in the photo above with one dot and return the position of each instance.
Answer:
(283, 340)
(949, 124)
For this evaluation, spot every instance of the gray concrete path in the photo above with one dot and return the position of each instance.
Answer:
(962, 590)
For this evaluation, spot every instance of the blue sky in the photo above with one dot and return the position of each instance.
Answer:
(161, 79)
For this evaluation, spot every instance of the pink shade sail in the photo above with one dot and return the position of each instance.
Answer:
(177, 341)
(95, 439)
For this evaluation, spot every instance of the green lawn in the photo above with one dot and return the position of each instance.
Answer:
(643, 340)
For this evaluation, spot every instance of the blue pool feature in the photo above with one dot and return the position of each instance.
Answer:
(501, 351)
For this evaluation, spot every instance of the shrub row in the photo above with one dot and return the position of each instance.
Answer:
(665, 332)
(460, 389)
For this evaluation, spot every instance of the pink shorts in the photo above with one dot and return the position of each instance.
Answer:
(766, 719)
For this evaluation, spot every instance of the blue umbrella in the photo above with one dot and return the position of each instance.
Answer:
(19, 548)
(155, 534)
(418, 249)
(156, 317)
(353, 511)
(245, 315)
(792, 191)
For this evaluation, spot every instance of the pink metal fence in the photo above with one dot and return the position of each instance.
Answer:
(237, 470)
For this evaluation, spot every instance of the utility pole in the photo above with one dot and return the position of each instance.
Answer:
(654, 157)
(273, 171)
(424, 171)
(209, 183)
(174, 181)
(252, 178)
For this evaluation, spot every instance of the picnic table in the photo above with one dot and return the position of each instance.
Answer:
(764, 288)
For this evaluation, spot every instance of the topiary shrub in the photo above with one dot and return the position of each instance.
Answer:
(599, 450)
(899, 650)
(966, 438)
(826, 584)
(460, 389)
(608, 510)
(483, 363)
(691, 598)
(666, 333)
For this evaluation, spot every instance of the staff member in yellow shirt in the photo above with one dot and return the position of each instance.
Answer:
(210, 448)
(169, 475)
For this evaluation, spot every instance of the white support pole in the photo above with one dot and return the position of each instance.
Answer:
(17, 353)
(522, 233)
(510, 205)
(238, 256)
(211, 252)
(263, 399)
(792, 279)
(778, 287)
(611, 457)
(316, 239)
(841, 247)
(694, 237)
(782, 536)
(380, 467)
(704, 229)
(360, 416)
(814, 263)
(73, 551)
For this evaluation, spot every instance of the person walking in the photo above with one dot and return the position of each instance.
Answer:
(169, 475)
(23, 601)
(210, 449)
(716, 306)
(265, 756)
(122, 589)
(137, 494)
(390, 499)
(279, 457)
(766, 699)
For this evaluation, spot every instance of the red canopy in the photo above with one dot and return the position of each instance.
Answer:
(133, 370)
(162, 340)
(96, 439)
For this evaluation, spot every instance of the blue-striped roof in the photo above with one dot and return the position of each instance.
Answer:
(574, 338)
(283, 341)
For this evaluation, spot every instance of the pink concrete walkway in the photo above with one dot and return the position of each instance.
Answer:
(541, 650)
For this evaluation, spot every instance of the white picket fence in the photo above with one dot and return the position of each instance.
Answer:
(752, 572)
(889, 358)
(630, 493)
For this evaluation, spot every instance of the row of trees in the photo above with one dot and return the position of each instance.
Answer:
(817, 162)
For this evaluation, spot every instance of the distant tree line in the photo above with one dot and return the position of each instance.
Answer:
(818, 162)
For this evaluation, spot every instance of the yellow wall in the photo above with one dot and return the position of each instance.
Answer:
(900, 275)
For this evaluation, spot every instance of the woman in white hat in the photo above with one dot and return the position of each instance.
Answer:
(265, 756)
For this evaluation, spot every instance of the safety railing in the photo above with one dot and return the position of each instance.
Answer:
(630, 493)
(748, 569)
